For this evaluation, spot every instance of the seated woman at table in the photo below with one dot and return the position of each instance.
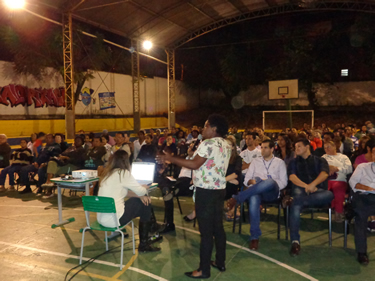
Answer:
(117, 182)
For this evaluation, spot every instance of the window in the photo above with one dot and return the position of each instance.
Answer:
(344, 72)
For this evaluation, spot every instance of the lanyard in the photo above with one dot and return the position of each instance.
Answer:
(265, 166)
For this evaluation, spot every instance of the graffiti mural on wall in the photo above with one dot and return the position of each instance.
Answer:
(14, 95)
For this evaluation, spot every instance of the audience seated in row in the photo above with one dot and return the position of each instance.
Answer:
(313, 170)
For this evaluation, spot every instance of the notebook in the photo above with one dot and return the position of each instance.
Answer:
(143, 172)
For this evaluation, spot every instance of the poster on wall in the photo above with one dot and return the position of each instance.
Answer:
(86, 96)
(107, 100)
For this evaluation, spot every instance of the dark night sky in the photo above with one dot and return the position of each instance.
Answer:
(259, 39)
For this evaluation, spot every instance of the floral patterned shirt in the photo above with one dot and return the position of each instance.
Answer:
(211, 175)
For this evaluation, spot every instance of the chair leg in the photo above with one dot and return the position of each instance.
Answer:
(287, 223)
(179, 205)
(278, 222)
(234, 218)
(106, 240)
(195, 221)
(82, 243)
(330, 226)
(243, 211)
(346, 234)
(240, 221)
(133, 238)
(122, 249)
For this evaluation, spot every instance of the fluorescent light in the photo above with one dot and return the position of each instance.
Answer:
(147, 45)
(344, 72)
(15, 4)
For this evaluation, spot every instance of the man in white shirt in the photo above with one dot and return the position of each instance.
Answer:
(139, 143)
(249, 154)
(265, 177)
(363, 184)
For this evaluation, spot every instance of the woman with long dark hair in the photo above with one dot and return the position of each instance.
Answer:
(233, 175)
(284, 149)
(117, 182)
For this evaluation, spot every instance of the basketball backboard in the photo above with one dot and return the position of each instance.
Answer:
(283, 89)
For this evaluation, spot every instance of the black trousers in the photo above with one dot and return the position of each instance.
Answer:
(209, 206)
(183, 185)
(364, 206)
(134, 208)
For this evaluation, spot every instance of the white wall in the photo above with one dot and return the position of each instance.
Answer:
(153, 94)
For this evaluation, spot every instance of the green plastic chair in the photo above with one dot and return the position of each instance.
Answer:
(100, 204)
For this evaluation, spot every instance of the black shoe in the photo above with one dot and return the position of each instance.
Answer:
(202, 276)
(295, 250)
(186, 218)
(26, 190)
(363, 259)
(169, 227)
(144, 245)
(220, 268)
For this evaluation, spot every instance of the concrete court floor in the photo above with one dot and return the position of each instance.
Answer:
(31, 250)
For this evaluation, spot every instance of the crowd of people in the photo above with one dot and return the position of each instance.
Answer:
(308, 167)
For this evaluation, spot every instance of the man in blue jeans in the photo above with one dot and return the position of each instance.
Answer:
(308, 174)
(265, 177)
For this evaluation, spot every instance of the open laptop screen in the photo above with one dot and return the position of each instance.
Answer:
(143, 171)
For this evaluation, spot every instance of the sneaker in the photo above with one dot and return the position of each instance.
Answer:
(371, 226)
(39, 192)
(48, 195)
(11, 188)
(295, 249)
(339, 218)
(155, 238)
(26, 190)
(2, 189)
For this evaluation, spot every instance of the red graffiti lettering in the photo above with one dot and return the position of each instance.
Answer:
(10, 93)
(14, 95)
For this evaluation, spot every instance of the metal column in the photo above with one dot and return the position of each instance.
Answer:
(171, 87)
(135, 79)
(68, 76)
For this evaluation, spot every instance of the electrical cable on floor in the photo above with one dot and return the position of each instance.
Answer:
(91, 260)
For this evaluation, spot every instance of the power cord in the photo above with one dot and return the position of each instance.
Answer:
(91, 260)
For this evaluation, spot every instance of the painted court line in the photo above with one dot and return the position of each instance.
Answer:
(260, 255)
(77, 257)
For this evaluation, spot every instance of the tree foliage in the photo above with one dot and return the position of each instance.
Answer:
(32, 56)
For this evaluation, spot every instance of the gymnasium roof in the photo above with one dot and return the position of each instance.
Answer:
(172, 23)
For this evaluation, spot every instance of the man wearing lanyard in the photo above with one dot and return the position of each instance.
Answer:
(265, 177)
(363, 184)
(210, 163)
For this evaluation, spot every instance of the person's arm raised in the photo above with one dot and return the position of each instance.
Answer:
(193, 164)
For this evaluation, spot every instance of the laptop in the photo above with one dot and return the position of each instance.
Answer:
(143, 172)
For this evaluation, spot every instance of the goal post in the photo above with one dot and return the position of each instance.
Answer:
(284, 118)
